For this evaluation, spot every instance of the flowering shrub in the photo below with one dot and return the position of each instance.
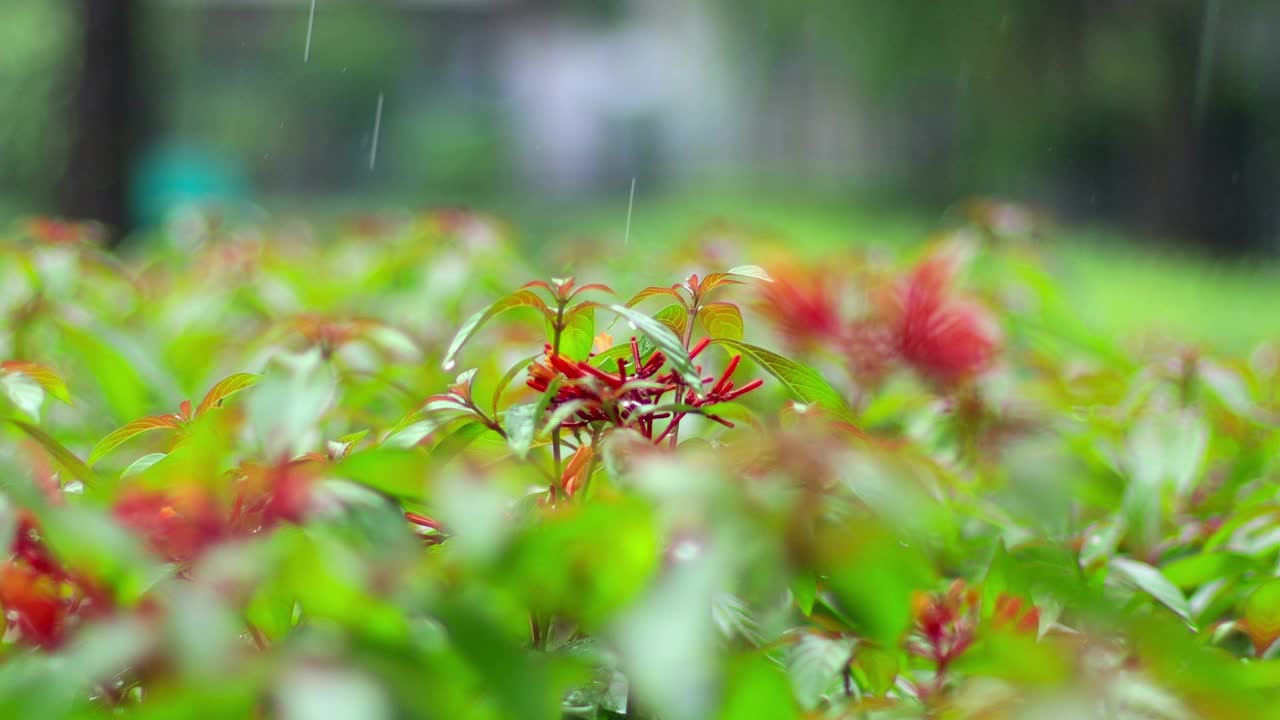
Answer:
(418, 484)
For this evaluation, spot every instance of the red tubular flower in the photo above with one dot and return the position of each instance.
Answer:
(945, 338)
(627, 398)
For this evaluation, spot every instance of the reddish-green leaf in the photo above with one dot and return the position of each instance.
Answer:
(226, 387)
(675, 317)
(732, 277)
(653, 291)
(721, 320)
(47, 379)
(1261, 615)
(130, 431)
(598, 287)
(518, 299)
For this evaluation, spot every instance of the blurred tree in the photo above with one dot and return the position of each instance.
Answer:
(105, 101)
(1159, 115)
(33, 68)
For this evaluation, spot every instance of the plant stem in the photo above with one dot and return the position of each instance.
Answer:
(674, 427)
(555, 432)
(535, 631)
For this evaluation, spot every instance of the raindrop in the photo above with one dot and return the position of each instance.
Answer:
(1204, 67)
(449, 365)
(631, 201)
(377, 127)
(311, 21)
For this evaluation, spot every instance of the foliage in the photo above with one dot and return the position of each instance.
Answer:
(414, 483)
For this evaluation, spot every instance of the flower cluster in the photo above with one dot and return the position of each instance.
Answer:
(43, 600)
(919, 321)
(946, 624)
(634, 395)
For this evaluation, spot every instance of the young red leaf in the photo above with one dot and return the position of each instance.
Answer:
(575, 472)
(598, 287)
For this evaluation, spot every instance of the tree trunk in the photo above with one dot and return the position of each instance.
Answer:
(103, 133)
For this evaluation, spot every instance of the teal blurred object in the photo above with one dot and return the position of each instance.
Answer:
(171, 176)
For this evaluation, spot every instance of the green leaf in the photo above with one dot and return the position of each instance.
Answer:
(664, 340)
(1166, 457)
(509, 376)
(675, 317)
(64, 457)
(142, 463)
(804, 383)
(457, 441)
(1151, 581)
(1196, 570)
(1261, 615)
(116, 377)
(129, 431)
(579, 332)
(756, 688)
(226, 387)
(24, 392)
(518, 299)
(402, 474)
(561, 415)
(608, 360)
(751, 271)
(815, 664)
(804, 588)
(520, 423)
(878, 668)
(873, 574)
(721, 320)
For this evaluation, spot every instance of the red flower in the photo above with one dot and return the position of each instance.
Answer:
(627, 396)
(804, 307)
(1012, 612)
(33, 603)
(269, 495)
(177, 525)
(944, 623)
(945, 338)
(41, 599)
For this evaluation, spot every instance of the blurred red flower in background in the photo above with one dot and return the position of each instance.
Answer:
(943, 336)
(803, 306)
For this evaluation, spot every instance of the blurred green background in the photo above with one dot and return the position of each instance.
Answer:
(1157, 118)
